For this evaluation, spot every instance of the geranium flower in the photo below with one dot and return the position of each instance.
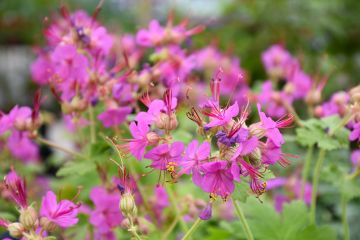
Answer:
(63, 213)
(195, 155)
(165, 156)
(107, 214)
(17, 188)
(217, 178)
(114, 116)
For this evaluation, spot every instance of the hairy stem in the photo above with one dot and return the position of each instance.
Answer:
(92, 125)
(243, 221)
(345, 224)
(315, 184)
(175, 207)
(192, 229)
(306, 169)
(165, 236)
(61, 148)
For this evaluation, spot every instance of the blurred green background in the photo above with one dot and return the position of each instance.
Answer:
(323, 34)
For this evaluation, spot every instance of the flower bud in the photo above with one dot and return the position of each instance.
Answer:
(47, 225)
(257, 130)
(15, 229)
(127, 205)
(125, 223)
(167, 122)
(313, 97)
(355, 94)
(255, 157)
(28, 218)
(206, 213)
(152, 137)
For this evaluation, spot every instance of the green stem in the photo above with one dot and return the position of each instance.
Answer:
(315, 184)
(306, 169)
(192, 229)
(92, 125)
(61, 148)
(243, 221)
(344, 221)
(341, 124)
(170, 229)
(175, 207)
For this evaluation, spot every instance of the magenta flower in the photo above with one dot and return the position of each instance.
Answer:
(63, 214)
(276, 60)
(157, 35)
(42, 70)
(221, 117)
(17, 188)
(195, 156)
(293, 187)
(272, 100)
(355, 158)
(217, 178)
(4, 223)
(355, 133)
(71, 68)
(141, 139)
(271, 154)
(165, 155)
(114, 116)
(160, 202)
(149, 117)
(21, 147)
(107, 214)
(272, 128)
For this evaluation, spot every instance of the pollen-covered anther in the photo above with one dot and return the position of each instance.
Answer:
(171, 166)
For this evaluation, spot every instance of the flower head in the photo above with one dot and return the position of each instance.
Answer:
(63, 213)
(165, 156)
(17, 189)
(217, 178)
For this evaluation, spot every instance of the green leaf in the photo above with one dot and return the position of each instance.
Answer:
(293, 223)
(316, 233)
(76, 168)
(316, 131)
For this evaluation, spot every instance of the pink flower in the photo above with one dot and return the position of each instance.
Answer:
(4, 223)
(194, 157)
(355, 133)
(165, 155)
(355, 158)
(114, 116)
(107, 214)
(71, 68)
(270, 154)
(17, 189)
(141, 139)
(272, 128)
(221, 117)
(161, 201)
(63, 214)
(217, 178)
(42, 69)
(22, 147)
(276, 60)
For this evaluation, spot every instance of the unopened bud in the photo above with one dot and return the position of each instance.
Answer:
(319, 111)
(206, 213)
(313, 97)
(257, 130)
(15, 230)
(28, 218)
(152, 137)
(47, 225)
(125, 223)
(255, 157)
(167, 122)
(127, 205)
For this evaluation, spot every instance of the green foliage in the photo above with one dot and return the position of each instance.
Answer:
(292, 223)
(316, 131)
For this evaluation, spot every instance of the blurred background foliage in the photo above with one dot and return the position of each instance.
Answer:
(323, 34)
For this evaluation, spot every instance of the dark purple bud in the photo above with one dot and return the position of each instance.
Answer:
(207, 212)
(121, 188)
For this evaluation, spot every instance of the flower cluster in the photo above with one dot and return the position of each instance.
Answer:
(33, 224)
